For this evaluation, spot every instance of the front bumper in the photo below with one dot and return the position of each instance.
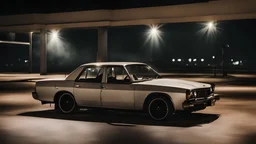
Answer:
(200, 103)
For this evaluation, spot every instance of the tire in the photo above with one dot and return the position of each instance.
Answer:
(66, 104)
(160, 108)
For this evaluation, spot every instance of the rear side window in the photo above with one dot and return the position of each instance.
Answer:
(117, 75)
(91, 74)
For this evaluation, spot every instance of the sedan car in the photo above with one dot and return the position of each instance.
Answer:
(124, 86)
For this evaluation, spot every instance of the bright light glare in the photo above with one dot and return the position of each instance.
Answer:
(236, 63)
(179, 60)
(190, 60)
(173, 60)
(154, 31)
(202, 60)
(154, 35)
(209, 29)
(54, 34)
(210, 25)
(213, 57)
(194, 60)
(58, 46)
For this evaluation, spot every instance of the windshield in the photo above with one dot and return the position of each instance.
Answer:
(142, 72)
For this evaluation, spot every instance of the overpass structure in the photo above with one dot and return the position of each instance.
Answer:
(102, 19)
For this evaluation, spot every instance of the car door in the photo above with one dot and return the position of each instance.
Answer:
(87, 87)
(117, 91)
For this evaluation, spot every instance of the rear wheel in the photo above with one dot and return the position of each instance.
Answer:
(160, 108)
(66, 103)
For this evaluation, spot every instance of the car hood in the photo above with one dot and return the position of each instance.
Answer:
(176, 83)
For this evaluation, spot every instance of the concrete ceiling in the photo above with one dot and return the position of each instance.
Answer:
(213, 10)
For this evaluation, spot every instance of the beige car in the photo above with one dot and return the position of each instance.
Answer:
(125, 86)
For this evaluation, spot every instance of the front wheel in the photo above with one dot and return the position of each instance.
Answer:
(66, 103)
(160, 108)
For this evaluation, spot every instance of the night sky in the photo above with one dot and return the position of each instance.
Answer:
(179, 41)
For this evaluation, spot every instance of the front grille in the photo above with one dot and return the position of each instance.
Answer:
(201, 93)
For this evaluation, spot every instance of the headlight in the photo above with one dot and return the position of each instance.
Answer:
(188, 94)
(194, 93)
(191, 94)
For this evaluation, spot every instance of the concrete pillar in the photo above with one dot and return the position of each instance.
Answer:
(102, 54)
(43, 52)
(30, 52)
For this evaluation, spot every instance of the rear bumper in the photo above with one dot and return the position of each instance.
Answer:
(34, 95)
(199, 104)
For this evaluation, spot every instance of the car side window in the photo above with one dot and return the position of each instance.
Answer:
(91, 74)
(117, 75)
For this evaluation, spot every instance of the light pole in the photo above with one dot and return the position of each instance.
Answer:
(212, 28)
(214, 66)
(30, 51)
(225, 47)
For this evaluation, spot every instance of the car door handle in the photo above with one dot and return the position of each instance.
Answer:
(77, 86)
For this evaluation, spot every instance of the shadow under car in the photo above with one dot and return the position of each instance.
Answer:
(127, 118)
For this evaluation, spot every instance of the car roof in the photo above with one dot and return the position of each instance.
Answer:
(112, 63)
